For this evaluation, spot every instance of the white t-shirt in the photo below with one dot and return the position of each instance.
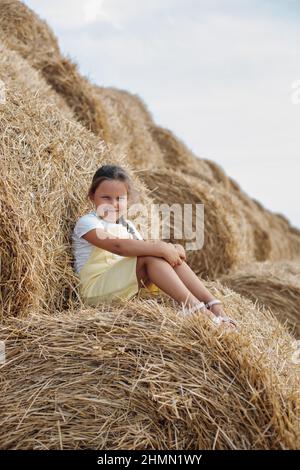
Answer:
(82, 248)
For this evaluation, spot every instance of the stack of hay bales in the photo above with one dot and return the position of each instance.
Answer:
(23, 31)
(128, 120)
(48, 160)
(138, 375)
(178, 156)
(125, 123)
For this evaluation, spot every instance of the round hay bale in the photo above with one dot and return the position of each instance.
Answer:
(260, 228)
(285, 243)
(20, 281)
(218, 173)
(275, 285)
(141, 376)
(275, 238)
(137, 104)
(15, 69)
(228, 237)
(256, 218)
(178, 156)
(128, 120)
(23, 31)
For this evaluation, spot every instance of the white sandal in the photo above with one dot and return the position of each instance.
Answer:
(195, 308)
(216, 319)
(220, 318)
(199, 306)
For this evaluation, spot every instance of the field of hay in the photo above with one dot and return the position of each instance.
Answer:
(136, 375)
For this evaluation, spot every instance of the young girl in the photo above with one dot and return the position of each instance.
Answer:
(114, 262)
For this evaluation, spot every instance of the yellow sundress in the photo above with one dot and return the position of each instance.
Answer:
(106, 276)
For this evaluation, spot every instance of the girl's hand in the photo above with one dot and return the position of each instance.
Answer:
(181, 251)
(171, 255)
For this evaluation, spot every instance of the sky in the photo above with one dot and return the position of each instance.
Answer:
(222, 75)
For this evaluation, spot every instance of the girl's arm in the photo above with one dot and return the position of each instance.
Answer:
(126, 246)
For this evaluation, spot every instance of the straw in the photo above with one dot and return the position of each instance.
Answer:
(142, 376)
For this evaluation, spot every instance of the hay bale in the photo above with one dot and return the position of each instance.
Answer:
(219, 174)
(128, 120)
(269, 233)
(285, 238)
(178, 156)
(275, 285)
(276, 238)
(141, 376)
(257, 220)
(20, 282)
(228, 239)
(48, 160)
(23, 31)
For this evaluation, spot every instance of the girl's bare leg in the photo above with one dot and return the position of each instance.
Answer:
(194, 284)
(161, 273)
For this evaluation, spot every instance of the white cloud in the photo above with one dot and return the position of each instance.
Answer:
(120, 12)
(96, 10)
(76, 13)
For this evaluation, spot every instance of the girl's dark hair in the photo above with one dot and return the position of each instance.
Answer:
(110, 172)
(117, 173)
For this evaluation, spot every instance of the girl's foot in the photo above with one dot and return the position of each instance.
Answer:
(218, 311)
(216, 319)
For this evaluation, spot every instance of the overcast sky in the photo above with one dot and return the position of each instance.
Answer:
(223, 75)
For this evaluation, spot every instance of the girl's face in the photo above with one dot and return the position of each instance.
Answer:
(110, 199)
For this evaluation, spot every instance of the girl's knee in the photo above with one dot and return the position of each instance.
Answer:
(153, 259)
(143, 260)
(147, 259)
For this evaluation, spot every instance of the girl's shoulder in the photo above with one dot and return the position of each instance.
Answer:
(87, 222)
(89, 217)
